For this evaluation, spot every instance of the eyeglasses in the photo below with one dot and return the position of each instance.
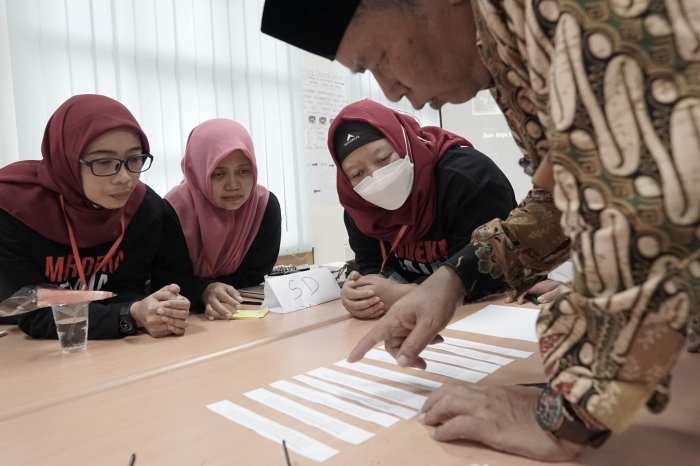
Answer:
(110, 166)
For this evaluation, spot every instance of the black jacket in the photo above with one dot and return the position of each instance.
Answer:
(471, 190)
(152, 254)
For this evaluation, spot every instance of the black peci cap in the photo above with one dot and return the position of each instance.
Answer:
(316, 26)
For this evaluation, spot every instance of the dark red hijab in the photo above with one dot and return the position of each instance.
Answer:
(30, 190)
(428, 144)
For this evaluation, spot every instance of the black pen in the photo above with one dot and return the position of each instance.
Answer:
(132, 460)
(286, 453)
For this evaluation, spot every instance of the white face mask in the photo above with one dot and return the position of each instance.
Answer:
(390, 186)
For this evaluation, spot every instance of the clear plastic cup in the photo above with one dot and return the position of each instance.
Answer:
(71, 326)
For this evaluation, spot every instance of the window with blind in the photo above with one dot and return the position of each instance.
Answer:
(174, 64)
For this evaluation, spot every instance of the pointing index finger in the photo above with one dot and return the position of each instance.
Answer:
(380, 332)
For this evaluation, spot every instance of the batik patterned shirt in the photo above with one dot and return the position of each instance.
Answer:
(609, 91)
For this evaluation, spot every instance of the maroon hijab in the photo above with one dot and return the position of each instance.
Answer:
(428, 144)
(30, 190)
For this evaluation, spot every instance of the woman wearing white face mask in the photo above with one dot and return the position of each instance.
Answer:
(412, 197)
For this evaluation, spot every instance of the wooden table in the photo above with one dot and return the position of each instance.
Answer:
(164, 420)
(35, 373)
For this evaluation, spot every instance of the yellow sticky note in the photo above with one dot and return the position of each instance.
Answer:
(249, 314)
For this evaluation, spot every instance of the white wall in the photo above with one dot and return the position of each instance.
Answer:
(8, 124)
(325, 91)
(481, 122)
(328, 234)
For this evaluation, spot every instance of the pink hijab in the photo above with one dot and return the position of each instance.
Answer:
(217, 239)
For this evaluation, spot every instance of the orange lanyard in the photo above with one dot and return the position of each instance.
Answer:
(76, 254)
(394, 245)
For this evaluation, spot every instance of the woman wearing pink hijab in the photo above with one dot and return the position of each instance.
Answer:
(232, 225)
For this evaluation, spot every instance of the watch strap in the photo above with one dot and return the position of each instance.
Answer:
(127, 325)
(556, 415)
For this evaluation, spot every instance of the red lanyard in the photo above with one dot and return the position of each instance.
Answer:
(394, 245)
(76, 254)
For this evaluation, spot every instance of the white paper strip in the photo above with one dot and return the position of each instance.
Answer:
(432, 367)
(381, 356)
(412, 380)
(467, 363)
(328, 424)
(501, 321)
(379, 405)
(296, 441)
(345, 407)
(470, 353)
(397, 395)
(465, 375)
(491, 348)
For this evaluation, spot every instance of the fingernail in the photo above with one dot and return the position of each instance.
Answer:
(159, 312)
(402, 361)
(421, 418)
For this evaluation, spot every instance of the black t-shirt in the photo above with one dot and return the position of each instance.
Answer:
(153, 253)
(263, 252)
(471, 190)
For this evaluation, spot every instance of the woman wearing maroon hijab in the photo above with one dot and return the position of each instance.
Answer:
(412, 197)
(80, 217)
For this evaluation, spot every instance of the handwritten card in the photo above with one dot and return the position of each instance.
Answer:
(295, 291)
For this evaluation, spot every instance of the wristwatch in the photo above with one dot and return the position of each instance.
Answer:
(127, 326)
(555, 415)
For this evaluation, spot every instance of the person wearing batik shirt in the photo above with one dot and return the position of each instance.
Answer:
(604, 99)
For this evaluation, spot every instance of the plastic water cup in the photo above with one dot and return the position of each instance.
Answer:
(71, 326)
